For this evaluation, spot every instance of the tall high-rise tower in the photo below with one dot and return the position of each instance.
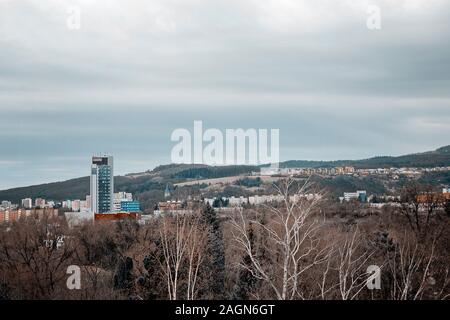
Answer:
(102, 184)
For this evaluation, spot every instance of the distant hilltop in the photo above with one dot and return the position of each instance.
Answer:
(156, 180)
(437, 158)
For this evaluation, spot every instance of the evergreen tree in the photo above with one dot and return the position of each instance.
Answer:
(216, 252)
(246, 282)
(447, 207)
(122, 276)
(4, 291)
(150, 282)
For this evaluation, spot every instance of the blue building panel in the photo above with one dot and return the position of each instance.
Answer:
(130, 206)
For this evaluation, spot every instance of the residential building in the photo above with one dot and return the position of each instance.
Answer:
(16, 214)
(260, 199)
(84, 205)
(88, 201)
(6, 204)
(360, 195)
(434, 196)
(114, 216)
(236, 202)
(349, 169)
(67, 204)
(173, 207)
(39, 203)
(27, 203)
(119, 197)
(50, 204)
(130, 206)
(170, 205)
(76, 205)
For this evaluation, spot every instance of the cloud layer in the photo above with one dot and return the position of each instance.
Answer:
(137, 70)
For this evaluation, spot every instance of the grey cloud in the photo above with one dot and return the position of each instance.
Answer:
(138, 70)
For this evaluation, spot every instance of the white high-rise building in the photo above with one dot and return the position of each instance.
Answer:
(102, 184)
(27, 203)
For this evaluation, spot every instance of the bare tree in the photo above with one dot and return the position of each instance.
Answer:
(36, 256)
(196, 257)
(182, 241)
(352, 264)
(292, 239)
(410, 268)
(326, 286)
(443, 294)
(419, 205)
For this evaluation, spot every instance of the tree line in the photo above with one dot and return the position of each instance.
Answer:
(301, 248)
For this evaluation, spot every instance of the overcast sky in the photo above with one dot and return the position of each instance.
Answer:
(136, 70)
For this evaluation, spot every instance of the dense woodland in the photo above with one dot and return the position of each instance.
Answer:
(304, 248)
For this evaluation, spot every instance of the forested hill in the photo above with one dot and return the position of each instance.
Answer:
(437, 158)
(157, 178)
(136, 183)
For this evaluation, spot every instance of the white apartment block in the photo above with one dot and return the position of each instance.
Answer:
(6, 204)
(27, 203)
(354, 195)
(259, 200)
(39, 202)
